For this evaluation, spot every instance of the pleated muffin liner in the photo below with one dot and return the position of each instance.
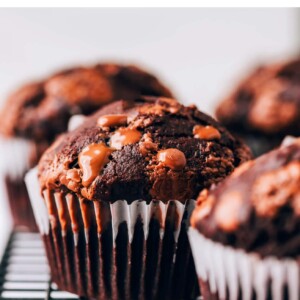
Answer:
(228, 273)
(100, 250)
(16, 155)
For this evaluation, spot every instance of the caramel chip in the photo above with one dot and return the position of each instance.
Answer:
(228, 211)
(206, 132)
(91, 161)
(124, 136)
(112, 120)
(79, 85)
(73, 174)
(274, 189)
(172, 158)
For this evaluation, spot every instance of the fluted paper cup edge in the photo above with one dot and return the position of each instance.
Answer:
(223, 266)
(37, 202)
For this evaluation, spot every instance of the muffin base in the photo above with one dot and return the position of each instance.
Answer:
(142, 269)
(20, 204)
(17, 156)
(100, 250)
(227, 273)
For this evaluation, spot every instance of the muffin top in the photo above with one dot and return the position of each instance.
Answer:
(266, 102)
(257, 208)
(40, 110)
(150, 149)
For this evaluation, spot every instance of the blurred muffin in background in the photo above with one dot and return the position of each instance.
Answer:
(265, 106)
(245, 231)
(37, 112)
(117, 195)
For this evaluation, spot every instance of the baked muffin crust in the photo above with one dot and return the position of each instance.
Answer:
(41, 110)
(156, 155)
(267, 102)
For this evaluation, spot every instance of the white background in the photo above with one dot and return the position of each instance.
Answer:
(200, 53)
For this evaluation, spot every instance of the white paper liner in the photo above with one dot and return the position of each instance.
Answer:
(130, 238)
(121, 211)
(222, 266)
(16, 152)
(39, 207)
(15, 156)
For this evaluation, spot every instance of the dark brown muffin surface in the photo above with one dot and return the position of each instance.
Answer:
(266, 103)
(257, 208)
(152, 148)
(39, 111)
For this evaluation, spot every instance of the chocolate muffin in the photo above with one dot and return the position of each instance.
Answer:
(119, 191)
(37, 112)
(265, 107)
(245, 231)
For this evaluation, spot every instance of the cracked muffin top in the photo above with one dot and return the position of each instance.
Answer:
(267, 102)
(151, 149)
(39, 111)
(257, 207)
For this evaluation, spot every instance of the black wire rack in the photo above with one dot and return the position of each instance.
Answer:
(24, 272)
